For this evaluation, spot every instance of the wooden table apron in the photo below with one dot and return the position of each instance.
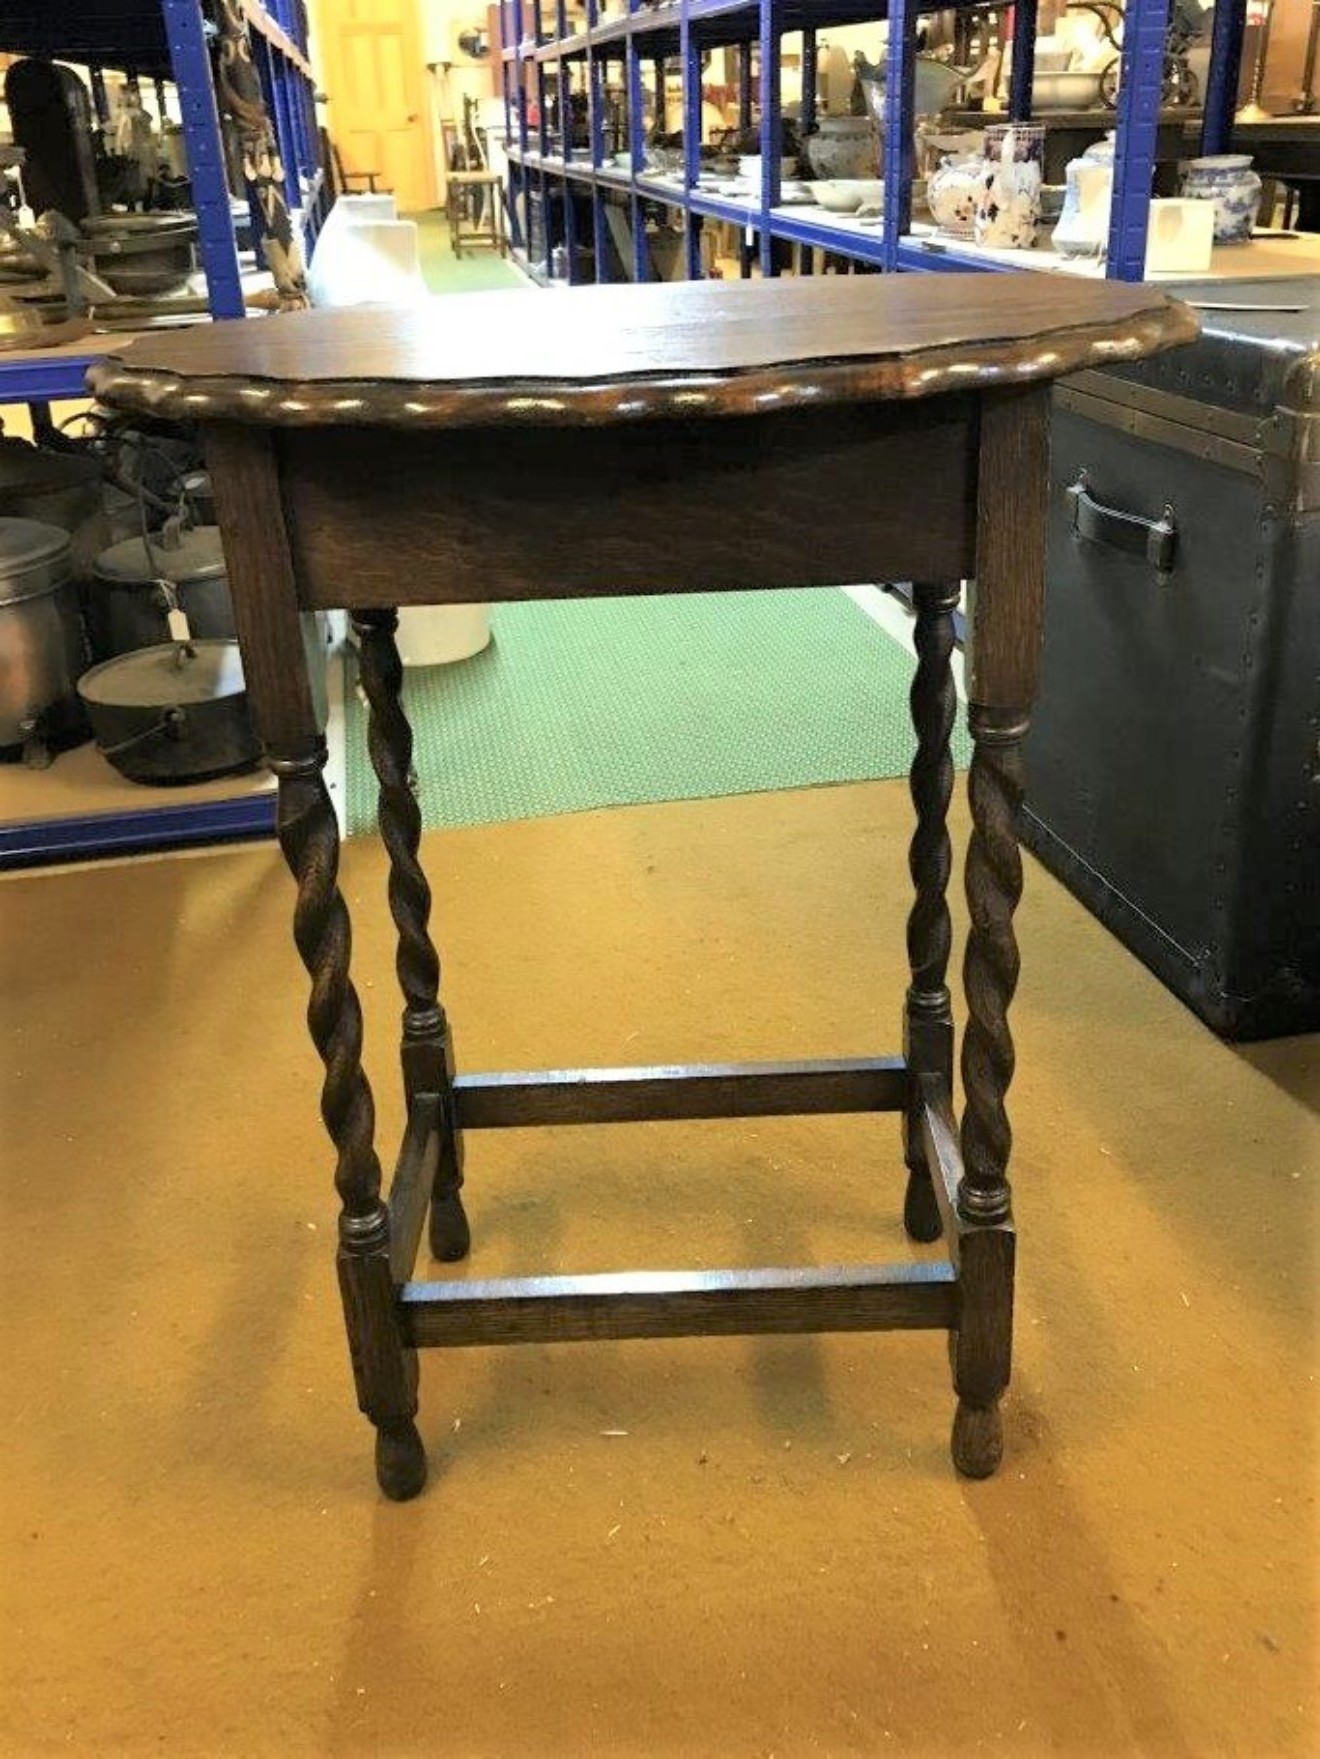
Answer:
(374, 514)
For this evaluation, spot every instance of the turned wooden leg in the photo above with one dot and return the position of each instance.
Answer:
(428, 1048)
(384, 1368)
(1003, 667)
(927, 1013)
(982, 1348)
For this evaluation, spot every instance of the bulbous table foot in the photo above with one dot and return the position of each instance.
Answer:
(978, 1439)
(921, 1213)
(400, 1461)
(450, 1235)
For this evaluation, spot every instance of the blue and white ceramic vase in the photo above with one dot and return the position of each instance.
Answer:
(1008, 196)
(1227, 180)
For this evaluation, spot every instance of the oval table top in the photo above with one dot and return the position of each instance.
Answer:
(635, 353)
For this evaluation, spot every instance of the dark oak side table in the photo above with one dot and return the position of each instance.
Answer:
(652, 439)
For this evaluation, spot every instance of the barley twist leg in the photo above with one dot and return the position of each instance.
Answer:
(428, 1049)
(927, 1013)
(994, 887)
(384, 1369)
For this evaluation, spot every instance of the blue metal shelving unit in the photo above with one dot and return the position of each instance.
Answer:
(167, 40)
(535, 39)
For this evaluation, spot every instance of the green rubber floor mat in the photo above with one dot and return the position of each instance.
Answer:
(618, 702)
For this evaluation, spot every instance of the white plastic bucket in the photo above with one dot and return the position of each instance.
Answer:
(366, 255)
(368, 262)
(437, 635)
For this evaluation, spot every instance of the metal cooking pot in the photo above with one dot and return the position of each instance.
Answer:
(57, 488)
(172, 714)
(142, 255)
(127, 606)
(41, 642)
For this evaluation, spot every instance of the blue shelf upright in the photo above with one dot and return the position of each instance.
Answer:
(1140, 90)
(190, 63)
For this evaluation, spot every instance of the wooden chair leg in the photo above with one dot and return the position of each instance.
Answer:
(927, 1011)
(428, 1048)
(384, 1368)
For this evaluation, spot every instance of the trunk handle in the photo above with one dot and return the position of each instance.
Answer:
(1155, 539)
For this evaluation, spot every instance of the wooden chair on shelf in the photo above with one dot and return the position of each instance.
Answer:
(350, 182)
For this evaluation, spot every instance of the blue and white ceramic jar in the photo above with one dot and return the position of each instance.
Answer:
(1227, 180)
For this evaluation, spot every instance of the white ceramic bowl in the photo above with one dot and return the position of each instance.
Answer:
(844, 195)
(1065, 91)
(749, 169)
(1051, 56)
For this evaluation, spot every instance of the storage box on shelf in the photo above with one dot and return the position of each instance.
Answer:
(78, 807)
(613, 57)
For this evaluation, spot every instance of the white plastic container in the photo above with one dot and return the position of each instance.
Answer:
(369, 258)
(366, 255)
(438, 635)
(1180, 236)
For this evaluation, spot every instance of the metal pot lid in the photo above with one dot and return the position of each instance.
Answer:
(197, 555)
(135, 244)
(28, 543)
(166, 676)
(139, 225)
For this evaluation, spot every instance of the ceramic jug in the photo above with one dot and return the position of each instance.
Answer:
(843, 146)
(951, 192)
(1083, 228)
(1227, 180)
(1008, 194)
(935, 82)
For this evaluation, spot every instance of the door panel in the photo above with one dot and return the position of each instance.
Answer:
(371, 51)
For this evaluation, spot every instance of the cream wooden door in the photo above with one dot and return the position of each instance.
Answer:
(371, 54)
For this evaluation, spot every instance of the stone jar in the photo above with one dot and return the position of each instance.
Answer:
(1227, 180)
(843, 147)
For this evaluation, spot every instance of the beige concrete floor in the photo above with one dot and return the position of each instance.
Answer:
(776, 1557)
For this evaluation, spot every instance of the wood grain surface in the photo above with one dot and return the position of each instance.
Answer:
(413, 1182)
(688, 1090)
(677, 1304)
(612, 354)
(829, 497)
